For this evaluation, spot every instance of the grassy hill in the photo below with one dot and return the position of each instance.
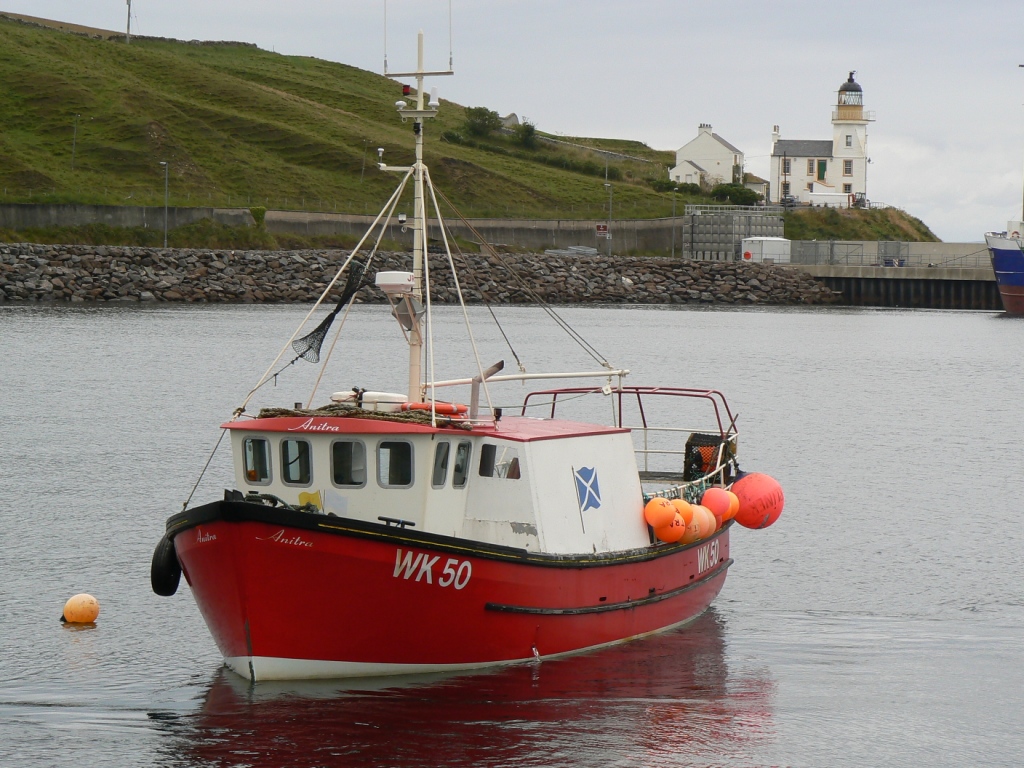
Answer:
(240, 126)
(856, 224)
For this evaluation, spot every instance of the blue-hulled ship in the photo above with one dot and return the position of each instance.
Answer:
(1007, 252)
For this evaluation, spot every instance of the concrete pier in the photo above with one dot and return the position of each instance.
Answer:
(917, 287)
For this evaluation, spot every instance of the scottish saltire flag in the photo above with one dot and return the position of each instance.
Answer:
(587, 490)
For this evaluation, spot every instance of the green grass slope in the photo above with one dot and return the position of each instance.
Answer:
(240, 126)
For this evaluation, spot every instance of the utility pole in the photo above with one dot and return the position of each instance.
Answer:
(74, 142)
(674, 190)
(128, 35)
(167, 170)
(609, 234)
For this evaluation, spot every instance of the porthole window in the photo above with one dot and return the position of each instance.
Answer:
(256, 461)
(348, 463)
(394, 464)
(296, 467)
(440, 474)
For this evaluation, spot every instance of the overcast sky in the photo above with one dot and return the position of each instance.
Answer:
(942, 77)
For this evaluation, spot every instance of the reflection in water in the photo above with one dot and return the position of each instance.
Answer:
(664, 700)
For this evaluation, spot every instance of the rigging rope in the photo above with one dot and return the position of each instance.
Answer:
(525, 286)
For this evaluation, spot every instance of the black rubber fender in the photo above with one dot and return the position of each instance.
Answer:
(165, 573)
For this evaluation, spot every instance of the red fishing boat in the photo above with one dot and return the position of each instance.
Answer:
(393, 533)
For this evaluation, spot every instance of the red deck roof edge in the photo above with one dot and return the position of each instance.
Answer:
(522, 429)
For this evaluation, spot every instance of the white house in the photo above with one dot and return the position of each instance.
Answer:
(708, 158)
(826, 172)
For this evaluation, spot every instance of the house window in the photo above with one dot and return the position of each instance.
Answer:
(785, 165)
(849, 140)
(810, 167)
(295, 462)
(256, 461)
(847, 188)
(460, 473)
(348, 463)
(440, 475)
(785, 189)
(847, 167)
(498, 461)
(394, 464)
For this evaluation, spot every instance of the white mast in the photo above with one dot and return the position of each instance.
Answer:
(128, 35)
(418, 113)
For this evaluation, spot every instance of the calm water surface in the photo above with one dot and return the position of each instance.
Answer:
(880, 622)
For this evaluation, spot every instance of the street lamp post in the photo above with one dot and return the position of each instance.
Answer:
(609, 233)
(74, 142)
(674, 190)
(167, 170)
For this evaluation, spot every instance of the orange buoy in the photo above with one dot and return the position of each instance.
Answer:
(684, 509)
(717, 500)
(659, 512)
(81, 609)
(734, 505)
(673, 531)
(708, 524)
(692, 529)
(761, 500)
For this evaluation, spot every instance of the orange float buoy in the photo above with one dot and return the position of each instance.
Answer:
(734, 505)
(761, 500)
(684, 509)
(716, 499)
(673, 531)
(708, 522)
(659, 512)
(692, 529)
(81, 609)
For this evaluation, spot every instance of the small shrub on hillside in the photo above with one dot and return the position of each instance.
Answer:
(735, 194)
(525, 135)
(259, 215)
(481, 121)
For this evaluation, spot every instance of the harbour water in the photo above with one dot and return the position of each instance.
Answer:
(879, 622)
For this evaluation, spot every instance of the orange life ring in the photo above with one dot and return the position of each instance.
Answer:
(445, 409)
(1015, 234)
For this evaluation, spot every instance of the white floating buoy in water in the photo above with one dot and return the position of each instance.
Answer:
(81, 609)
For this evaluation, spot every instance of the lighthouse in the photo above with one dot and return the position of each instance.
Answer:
(850, 139)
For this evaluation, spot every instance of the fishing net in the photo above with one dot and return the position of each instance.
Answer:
(308, 347)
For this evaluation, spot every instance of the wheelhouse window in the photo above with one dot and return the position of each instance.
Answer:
(394, 464)
(256, 460)
(296, 468)
(440, 474)
(348, 463)
(847, 167)
(460, 473)
(499, 461)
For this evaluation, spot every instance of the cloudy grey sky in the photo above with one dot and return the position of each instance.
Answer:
(941, 76)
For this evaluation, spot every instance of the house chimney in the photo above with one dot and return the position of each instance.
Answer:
(704, 128)
(775, 135)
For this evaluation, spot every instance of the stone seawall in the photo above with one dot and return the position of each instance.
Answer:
(75, 273)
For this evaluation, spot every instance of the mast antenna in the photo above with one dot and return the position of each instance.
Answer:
(451, 46)
(128, 33)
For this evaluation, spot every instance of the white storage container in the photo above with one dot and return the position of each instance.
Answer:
(385, 402)
(770, 250)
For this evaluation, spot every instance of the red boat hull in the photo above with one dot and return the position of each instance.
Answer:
(290, 595)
